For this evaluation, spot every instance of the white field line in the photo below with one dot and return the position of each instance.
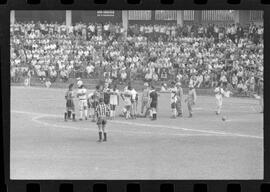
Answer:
(207, 132)
(36, 120)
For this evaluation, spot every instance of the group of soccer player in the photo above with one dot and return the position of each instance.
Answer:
(101, 104)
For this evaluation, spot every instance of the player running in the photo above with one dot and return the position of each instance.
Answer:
(70, 108)
(102, 112)
(153, 103)
(191, 98)
(114, 100)
(81, 94)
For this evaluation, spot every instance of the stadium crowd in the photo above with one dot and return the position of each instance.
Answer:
(206, 54)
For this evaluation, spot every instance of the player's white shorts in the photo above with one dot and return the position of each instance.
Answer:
(83, 104)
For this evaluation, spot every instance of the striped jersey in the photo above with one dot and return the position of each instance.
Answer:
(103, 110)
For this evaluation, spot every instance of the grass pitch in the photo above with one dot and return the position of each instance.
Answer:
(43, 146)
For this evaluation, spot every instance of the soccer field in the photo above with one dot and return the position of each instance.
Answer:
(43, 146)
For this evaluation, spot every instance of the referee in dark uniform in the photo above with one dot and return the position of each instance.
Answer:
(102, 112)
(153, 103)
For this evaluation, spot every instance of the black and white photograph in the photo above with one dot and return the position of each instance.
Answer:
(136, 94)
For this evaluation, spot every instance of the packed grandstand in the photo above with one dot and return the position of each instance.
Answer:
(206, 53)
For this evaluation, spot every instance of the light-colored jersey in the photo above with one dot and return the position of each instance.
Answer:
(82, 94)
(90, 97)
(79, 83)
(145, 94)
(133, 94)
(127, 97)
(173, 94)
(114, 94)
(219, 92)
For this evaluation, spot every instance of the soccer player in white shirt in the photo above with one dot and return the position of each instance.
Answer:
(219, 93)
(79, 82)
(134, 103)
(114, 100)
(126, 96)
(81, 94)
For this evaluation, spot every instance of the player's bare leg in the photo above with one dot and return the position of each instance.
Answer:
(94, 116)
(150, 113)
(128, 112)
(73, 116)
(65, 116)
(174, 112)
(135, 110)
(190, 110)
(179, 109)
(154, 114)
(81, 115)
(104, 133)
(99, 133)
(144, 105)
(85, 113)
(111, 113)
(219, 106)
(147, 112)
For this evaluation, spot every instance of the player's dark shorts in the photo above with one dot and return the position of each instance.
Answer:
(89, 104)
(128, 107)
(113, 107)
(173, 105)
(107, 101)
(70, 105)
(102, 121)
(153, 104)
(94, 104)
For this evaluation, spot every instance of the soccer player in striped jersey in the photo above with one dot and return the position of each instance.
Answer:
(95, 97)
(145, 99)
(82, 95)
(102, 112)
(70, 108)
